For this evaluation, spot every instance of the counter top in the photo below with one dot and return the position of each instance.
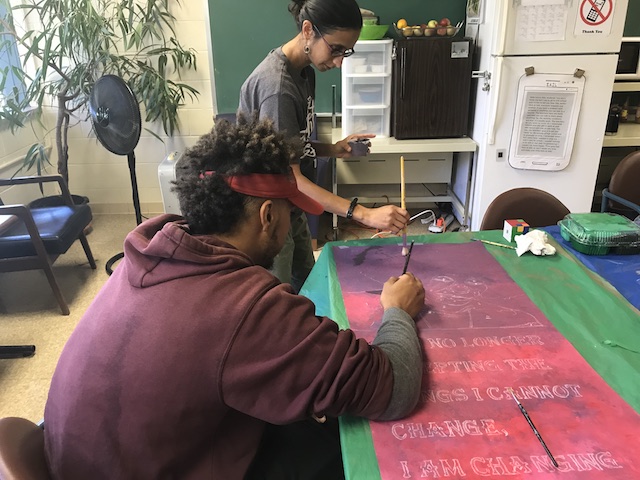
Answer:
(393, 145)
(628, 136)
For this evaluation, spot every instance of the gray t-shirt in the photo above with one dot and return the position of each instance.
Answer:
(283, 94)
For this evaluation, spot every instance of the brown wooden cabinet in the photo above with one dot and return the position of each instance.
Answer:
(431, 87)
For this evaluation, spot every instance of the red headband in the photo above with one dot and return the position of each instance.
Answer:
(268, 185)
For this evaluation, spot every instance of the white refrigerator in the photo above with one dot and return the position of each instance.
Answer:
(550, 38)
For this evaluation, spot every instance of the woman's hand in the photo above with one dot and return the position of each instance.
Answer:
(342, 149)
(387, 217)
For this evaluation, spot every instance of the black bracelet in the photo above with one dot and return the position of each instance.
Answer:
(352, 207)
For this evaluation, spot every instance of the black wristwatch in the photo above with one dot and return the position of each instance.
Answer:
(352, 207)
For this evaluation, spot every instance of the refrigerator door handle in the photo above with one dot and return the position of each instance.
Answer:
(487, 77)
(493, 101)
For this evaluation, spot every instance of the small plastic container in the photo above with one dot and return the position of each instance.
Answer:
(370, 94)
(600, 233)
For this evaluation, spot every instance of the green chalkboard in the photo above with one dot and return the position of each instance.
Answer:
(244, 31)
(632, 25)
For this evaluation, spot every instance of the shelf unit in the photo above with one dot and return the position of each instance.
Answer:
(615, 147)
(428, 161)
(628, 133)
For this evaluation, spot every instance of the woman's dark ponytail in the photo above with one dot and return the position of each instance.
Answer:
(295, 7)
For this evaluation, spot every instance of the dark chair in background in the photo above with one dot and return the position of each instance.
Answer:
(40, 235)
(22, 454)
(623, 194)
(536, 207)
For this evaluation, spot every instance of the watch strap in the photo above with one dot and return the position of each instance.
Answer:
(352, 207)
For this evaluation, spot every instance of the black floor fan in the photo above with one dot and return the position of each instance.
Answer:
(115, 115)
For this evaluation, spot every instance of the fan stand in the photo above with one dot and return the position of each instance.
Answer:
(134, 187)
(131, 158)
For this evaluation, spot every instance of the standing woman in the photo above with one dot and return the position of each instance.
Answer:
(282, 88)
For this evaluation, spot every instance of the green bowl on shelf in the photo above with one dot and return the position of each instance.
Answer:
(373, 32)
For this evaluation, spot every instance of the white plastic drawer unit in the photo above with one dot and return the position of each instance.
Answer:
(367, 120)
(385, 169)
(366, 89)
(371, 56)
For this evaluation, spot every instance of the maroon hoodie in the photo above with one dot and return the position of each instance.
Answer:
(185, 353)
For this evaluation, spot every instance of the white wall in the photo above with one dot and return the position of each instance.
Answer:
(103, 176)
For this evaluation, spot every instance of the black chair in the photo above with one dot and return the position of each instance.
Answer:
(536, 207)
(623, 194)
(22, 455)
(40, 235)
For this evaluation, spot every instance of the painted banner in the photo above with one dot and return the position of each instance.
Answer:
(482, 336)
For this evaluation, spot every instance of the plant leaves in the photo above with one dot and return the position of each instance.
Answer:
(85, 39)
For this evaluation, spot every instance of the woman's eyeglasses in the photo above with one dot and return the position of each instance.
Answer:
(335, 51)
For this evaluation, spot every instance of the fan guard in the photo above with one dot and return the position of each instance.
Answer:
(115, 116)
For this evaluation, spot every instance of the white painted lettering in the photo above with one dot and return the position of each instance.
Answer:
(405, 469)
(476, 392)
(446, 429)
(429, 469)
(452, 470)
(498, 466)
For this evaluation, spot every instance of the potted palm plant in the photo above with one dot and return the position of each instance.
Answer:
(67, 45)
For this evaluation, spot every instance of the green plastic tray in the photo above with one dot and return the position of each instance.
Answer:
(600, 233)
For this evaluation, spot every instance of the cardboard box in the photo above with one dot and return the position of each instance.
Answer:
(513, 228)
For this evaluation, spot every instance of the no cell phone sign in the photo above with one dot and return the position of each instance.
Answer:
(594, 17)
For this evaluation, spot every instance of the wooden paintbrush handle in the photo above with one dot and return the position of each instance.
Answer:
(403, 193)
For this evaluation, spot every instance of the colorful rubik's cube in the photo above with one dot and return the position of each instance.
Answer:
(513, 228)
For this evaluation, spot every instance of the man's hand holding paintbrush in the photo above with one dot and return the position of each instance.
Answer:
(405, 292)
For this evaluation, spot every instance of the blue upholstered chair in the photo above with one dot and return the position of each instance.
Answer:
(39, 235)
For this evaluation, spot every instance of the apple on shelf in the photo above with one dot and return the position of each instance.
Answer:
(441, 28)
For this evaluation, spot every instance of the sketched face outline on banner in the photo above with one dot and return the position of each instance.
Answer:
(591, 5)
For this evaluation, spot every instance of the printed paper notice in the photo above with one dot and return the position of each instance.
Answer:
(594, 17)
(474, 12)
(541, 20)
(545, 123)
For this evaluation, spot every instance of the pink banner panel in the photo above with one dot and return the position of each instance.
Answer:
(482, 336)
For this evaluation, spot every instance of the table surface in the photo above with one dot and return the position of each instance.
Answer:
(621, 271)
(578, 303)
(432, 145)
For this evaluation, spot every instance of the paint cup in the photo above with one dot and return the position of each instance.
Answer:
(360, 148)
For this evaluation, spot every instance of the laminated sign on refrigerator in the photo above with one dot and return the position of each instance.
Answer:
(546, 118)
(595, 17)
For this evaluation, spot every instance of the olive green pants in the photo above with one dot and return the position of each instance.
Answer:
(295, 261)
